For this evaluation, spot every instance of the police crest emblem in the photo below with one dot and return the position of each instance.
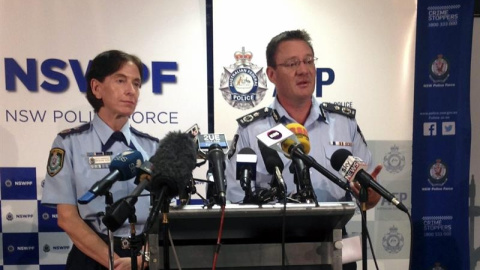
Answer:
(243, 84)
(438, 173)
(439, 69)
(394, 161)
(55, 161)
(393, 241)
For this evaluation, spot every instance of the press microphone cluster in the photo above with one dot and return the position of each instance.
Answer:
(282, 139)
(274, 166)
(125, 208)
(166, 173)
(353, 169)
(297, 149)
(123, 167)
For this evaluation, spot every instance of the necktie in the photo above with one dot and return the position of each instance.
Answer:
(116, 136)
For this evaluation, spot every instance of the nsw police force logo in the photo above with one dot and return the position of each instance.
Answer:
(243, 84)
(439, 69)
(438, 173)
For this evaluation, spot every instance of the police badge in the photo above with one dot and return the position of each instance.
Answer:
(439, 69)
(438, 173)
(8, 183)
(393, 241)
(243, 84)
(394, 161)
(55, 161)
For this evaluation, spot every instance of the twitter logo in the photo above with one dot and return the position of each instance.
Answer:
(448, 128)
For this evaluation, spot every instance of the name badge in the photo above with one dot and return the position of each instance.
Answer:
(99, 160)
(341, 143)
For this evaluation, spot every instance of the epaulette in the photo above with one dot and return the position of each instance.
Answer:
(143, 134)
(75, 130)
(259, 114)
(334, 108)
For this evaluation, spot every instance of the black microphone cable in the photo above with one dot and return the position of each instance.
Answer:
(219, 238)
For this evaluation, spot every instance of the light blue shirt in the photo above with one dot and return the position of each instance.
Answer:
(78, 174)
(327, 132)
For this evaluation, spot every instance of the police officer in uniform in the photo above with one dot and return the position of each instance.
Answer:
(81, 156)
(291, 67)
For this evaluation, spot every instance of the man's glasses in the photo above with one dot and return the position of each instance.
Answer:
(295, 63)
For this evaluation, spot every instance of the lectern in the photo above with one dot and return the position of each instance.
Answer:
(252, 236)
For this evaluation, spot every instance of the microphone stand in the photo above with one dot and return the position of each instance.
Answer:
(108, 206)
(166, 246)
(133, 240)
(161, 203)
(363, 197)
(301, 178)
(310, 162)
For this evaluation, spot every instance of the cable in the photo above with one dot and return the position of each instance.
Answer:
(219, 239)
(175, 255)
(283, 232)
(411, 241)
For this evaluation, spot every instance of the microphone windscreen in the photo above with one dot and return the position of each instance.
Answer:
(302, 135)
(127, 163)
(270, 158)
(173, 162)
(339, 157)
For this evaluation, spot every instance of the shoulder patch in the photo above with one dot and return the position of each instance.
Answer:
(75, 130)
(259, 114)
(143, 134)
(55, 161)
(346, 111)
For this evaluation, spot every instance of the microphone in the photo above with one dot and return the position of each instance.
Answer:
(247, 169)
(216, 157)
(274, 166)
(122, 167)
(125, 208)
(144, 172)
(194, 132)
(173, 163)
(352, 169)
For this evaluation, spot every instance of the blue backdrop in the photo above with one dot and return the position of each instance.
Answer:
(441, 134)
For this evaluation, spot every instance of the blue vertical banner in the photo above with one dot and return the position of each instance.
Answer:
(441, 134)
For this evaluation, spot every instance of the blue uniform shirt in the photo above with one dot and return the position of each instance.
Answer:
(76, 163)
(328, 131)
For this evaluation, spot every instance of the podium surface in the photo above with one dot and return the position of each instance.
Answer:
(252, 235)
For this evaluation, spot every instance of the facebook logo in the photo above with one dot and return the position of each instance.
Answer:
(430, 129)
(448, 128)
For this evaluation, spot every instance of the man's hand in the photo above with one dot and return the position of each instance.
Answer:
(373, 197)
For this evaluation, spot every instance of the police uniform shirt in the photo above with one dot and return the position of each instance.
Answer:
(328, 131)
(76, 163)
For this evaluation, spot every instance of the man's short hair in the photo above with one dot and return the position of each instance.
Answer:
(105, 64)
(285, 36)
